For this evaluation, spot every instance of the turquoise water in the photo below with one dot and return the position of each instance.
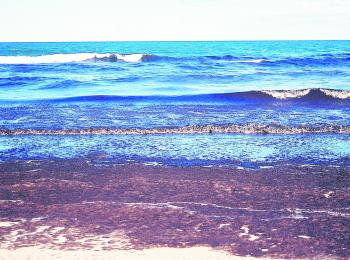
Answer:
(149, 85)
(183, 49)
(47, 70)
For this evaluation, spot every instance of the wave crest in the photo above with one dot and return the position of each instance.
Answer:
(139, 57)
(318, 93)
(285, 94)
(340, 94)
(77, 57)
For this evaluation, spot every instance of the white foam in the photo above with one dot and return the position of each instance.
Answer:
(54, 58)
(130, 57)
(67, 58)
(284, 94)
(254, 61)
(342, 94)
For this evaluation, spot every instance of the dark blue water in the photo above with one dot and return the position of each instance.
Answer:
(147, 85)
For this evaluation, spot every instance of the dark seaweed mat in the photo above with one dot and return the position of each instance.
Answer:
(182, 207)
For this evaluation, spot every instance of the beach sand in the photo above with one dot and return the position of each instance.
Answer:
(196, 253)
(72, 209)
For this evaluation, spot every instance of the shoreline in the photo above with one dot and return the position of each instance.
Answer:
(282, 212)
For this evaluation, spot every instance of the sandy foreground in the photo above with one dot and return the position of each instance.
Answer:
(200, 253)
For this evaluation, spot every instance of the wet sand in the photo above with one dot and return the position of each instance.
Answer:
(284, 212)
(195, 253)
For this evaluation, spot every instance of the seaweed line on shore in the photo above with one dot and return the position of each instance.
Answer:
(193, 129)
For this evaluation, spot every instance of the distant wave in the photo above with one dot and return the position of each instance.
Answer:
(237, 59)
(114, 57)
(139, 57)
(325, 59)
(77, 57)
(193, 129)
(300, 61)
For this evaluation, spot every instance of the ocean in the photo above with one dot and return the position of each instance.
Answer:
(244, 104)
(236, 146)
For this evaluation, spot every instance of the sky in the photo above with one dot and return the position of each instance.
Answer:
(144, 20)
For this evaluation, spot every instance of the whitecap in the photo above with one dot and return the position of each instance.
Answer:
(284, 94)
(341, 94)
(68, 58)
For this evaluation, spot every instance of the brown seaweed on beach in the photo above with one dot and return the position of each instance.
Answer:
(285, 212)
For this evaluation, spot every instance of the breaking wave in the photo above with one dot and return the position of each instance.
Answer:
(287, 94)
(77, 57)
(325, 59)
(251, 128)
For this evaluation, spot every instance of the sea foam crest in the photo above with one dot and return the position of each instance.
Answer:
(130, 57)
(298, 93)
(284, 94)
(67, 58)
(342, 94)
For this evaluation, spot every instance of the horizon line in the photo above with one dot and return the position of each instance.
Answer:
(242, 40)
